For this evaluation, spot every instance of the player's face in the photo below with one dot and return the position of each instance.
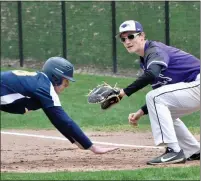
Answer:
(65, 84)
(132, 41)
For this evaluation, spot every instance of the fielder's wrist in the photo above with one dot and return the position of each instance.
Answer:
(141, 112)
(122, 93)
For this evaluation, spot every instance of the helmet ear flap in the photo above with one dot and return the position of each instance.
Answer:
(56, 81)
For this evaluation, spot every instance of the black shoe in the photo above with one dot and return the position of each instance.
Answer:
(195, 156)
(169, 157)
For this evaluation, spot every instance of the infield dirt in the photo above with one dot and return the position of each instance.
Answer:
(29, 154)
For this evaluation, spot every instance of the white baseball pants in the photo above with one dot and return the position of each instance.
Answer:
(166, 105)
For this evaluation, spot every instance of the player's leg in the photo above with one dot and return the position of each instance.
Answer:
(181, 98)
(186, 140)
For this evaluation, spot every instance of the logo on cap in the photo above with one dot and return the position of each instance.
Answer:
(124, 25)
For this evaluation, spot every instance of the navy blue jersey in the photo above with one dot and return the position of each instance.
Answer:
(23, 91)
(178, 66)
(27, 90)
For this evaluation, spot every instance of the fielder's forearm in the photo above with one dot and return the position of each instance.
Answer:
(147, 78)
(67, 126)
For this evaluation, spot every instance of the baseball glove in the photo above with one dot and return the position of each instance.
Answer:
(105, 95)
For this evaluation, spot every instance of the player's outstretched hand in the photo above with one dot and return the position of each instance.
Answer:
(101, 150)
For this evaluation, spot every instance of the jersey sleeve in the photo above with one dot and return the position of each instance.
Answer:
(67, 126)
(157, 56)
(147, 78)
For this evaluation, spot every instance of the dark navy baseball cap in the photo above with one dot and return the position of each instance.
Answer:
(130, 25)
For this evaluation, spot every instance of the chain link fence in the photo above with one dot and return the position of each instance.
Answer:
(84, 30)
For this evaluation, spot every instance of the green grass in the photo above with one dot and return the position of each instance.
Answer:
(90, 116)
(186, 173)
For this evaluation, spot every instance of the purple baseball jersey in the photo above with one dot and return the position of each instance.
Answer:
(178, 66)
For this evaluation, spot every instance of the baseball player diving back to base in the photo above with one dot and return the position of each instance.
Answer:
(23, 91)
(175, 78)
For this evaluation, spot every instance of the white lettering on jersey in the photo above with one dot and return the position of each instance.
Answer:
(163, 80)
(24, 73)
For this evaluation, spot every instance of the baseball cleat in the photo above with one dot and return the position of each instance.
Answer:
(195, 156)
(169, 157)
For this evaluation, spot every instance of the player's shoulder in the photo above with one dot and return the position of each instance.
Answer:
(42, 75)
(19, 73)
(34, 79)
(29, 76)
(43, 80)
(155, 48)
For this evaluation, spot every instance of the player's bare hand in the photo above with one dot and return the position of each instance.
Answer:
(134, 117)
(101, 150)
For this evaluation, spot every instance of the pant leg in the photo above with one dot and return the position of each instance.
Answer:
(186, 140)
(168, 103)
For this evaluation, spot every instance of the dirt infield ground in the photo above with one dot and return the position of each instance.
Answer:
(29, 154)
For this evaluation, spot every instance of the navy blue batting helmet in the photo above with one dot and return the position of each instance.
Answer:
(57, 68)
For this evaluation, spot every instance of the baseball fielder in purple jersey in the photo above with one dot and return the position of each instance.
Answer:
(23, 91)
(175, 79)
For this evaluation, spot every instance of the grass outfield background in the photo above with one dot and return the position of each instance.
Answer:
(74, 102)
(91, 117)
